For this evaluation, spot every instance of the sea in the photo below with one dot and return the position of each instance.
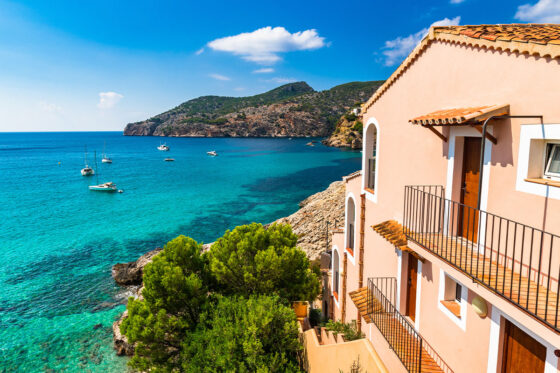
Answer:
(58, 239)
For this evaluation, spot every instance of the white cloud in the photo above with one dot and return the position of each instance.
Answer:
(263, 45)
(199, 52)
(397, 49)
(107, 100)
(544, 11)
(280, 80)
(264, 70)
(456, 1)
(49, 107)
(219, 77)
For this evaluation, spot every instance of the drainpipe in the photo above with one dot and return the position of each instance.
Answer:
(345, 266)
(483, 145)
(361, 258)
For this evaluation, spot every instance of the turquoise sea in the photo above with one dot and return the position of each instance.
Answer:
(58, 240)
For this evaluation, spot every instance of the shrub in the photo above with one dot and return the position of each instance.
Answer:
(359, 126)
(349, 330)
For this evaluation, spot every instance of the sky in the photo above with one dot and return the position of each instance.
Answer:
(69, 65)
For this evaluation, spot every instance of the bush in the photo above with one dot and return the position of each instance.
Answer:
(258, 334)
(315, 317)
(359, 126)
(349, 330)
(350, 117)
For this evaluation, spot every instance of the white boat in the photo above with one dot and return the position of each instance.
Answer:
(108, 186)
(212, 153)
(163, 148)
(105, 187)
(87, 170)
(105, 158)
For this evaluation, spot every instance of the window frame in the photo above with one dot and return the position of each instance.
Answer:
(548, 159)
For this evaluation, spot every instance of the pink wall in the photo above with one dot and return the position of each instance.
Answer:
(446, 76)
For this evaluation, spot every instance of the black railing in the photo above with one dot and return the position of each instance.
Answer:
(517, 261)
(371, 173)
(399, 333)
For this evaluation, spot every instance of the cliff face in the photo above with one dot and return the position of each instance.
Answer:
(292, 110)
(347, 134)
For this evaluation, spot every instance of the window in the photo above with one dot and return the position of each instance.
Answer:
(552, 160)
(458, 290)
(452, 299)
(370, 154)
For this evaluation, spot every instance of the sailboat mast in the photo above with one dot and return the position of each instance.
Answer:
(85, 157)
(96, 173)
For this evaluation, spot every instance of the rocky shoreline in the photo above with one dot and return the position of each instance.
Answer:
(309, 223)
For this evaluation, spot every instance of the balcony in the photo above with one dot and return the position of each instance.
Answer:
(376, 304)
(514, 260)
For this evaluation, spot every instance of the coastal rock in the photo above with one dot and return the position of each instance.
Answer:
(120, 341)
(347, 134)
(310, 221)
(131, 273)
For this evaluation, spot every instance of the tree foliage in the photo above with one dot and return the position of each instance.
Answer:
(175, 294)
(258, 334)
(253, 260)
(226, 310)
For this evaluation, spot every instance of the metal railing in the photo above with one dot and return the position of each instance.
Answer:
(371, 173)
(517, 261)
(399, 333)
(403, 338)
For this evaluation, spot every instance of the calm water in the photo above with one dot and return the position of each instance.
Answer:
(58, 240)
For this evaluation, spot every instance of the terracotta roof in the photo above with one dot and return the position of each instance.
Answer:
(461, 115)
(359, 298)
(393, 232)
(533, 39)
(523, 33)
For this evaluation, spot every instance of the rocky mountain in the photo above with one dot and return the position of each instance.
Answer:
(348, 132)
(291, 110)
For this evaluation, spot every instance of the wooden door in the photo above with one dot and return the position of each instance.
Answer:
(412, 276)
(469, 188)
(522, 354)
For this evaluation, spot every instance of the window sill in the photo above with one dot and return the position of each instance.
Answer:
(549, 182)
(453, 307)
(369, 190)
(335, 294)
(350, 251)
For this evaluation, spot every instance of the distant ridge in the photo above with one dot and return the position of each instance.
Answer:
(291, 110)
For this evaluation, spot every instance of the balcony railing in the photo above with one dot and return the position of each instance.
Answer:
(412, 350)
(517, 261)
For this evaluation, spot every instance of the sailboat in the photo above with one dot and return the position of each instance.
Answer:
(103, 187)
(163, 147)
(87, 170)
(104, 158)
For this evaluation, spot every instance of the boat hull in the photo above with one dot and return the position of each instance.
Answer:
(102, 189)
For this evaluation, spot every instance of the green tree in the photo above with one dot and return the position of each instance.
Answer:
(175, 294)
(253, 260)
(258, 334)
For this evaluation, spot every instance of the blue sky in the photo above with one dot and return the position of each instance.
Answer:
(97, 65)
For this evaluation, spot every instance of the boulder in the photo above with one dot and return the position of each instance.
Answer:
(131, 273)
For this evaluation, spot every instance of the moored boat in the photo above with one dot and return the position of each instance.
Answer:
(105, 187)
(163, 147)
(105, 158)
(212, 153)
(87, 170)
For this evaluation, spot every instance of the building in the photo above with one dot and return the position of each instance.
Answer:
(449, 257)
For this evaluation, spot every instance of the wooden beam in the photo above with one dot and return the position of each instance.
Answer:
(488, 136)
(441, 136)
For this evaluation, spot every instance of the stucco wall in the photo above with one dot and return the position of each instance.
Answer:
(447, 76)
(340, 356)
